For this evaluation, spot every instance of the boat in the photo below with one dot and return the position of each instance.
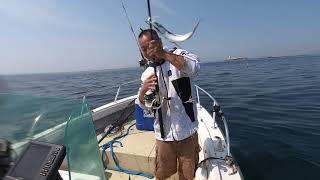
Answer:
(231, 58)
(125, 149)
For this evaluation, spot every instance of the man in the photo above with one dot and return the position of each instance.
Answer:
(175, 70)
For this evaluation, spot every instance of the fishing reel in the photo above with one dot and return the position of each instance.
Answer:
(152, 100)
(143, 63)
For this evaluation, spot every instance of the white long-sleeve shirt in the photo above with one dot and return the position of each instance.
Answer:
(179, 114)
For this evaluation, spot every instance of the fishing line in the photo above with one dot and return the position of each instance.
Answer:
(149, 12)
(176, 44)
(128, 19)
(157, 91)
(191, 130)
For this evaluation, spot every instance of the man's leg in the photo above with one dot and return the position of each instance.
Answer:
(166, 159)
(188, 157)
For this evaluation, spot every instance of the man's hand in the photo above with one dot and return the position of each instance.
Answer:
(148, 84)
(156, 50)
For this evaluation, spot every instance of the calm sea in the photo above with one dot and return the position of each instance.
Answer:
(272, 106)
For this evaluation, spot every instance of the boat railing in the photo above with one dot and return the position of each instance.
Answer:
(118, 87)
(216, 111)
(216, 107)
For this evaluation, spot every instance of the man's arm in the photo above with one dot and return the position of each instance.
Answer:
(186, 62)
(156, 50)
(176, 60)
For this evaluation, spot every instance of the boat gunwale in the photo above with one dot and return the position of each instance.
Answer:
(198, 104)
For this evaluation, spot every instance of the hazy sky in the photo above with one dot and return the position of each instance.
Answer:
(73, 35)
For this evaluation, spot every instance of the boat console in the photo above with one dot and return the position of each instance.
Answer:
(40, 161)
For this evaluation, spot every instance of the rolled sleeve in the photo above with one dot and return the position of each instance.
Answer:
(192, 65)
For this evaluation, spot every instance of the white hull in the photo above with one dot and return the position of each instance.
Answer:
(139, 152)
(211, 146)
(212, 141)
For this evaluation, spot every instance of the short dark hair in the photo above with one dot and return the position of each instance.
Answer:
(146, 31)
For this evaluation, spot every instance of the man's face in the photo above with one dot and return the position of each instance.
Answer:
(144, 43)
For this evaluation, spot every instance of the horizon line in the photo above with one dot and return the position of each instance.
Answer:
(132, 67)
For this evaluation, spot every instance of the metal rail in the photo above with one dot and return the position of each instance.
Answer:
(118, 91)
(110, 87)
(215, 103)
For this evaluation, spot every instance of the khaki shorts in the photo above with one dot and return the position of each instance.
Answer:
(186, 152)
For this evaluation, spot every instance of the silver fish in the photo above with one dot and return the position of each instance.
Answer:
(172, 37)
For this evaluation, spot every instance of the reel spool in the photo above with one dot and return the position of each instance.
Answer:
(152, 100)
(143, 63)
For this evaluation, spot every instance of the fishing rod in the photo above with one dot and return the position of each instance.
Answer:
(141, 62)
(156, 92)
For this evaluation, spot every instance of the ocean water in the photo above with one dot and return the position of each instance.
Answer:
(272, 107)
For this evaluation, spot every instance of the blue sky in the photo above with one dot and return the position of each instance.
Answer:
(58, 35)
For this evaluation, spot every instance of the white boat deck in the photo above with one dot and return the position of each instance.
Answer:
(213, 144)
(138, 152)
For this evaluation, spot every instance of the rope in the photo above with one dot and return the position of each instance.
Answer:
(115, 159)
(117, 123)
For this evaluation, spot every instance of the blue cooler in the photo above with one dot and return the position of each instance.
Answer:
(144, 119)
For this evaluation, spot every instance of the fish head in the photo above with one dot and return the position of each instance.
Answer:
(148, 21)
(151, 20)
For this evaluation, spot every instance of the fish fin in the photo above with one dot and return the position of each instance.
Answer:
(195, 28)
